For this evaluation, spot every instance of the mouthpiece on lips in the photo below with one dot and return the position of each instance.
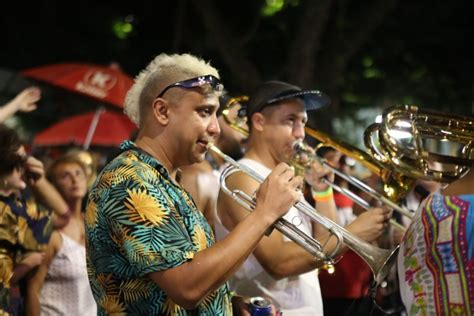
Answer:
(298, 146)
(211, 146)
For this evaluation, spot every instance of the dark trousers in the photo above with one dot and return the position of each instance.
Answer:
(347, 306)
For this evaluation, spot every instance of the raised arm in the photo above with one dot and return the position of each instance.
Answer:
(192, 281)
(367, 226)
(277, 256)
(25, 101)
(45, 192)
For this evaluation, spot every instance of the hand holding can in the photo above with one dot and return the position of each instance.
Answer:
(260, 306)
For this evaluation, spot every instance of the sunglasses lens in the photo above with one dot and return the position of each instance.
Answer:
(209, 80)
(216, 84)
(12, 162)
(21, 161)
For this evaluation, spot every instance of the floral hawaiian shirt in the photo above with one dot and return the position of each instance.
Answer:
(139, 221)
(25, 227)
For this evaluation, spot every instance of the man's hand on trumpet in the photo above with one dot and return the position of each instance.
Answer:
(278, 192)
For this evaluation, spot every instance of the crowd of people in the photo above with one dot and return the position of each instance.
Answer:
(151, 233)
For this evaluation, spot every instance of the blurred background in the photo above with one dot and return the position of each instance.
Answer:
(366, 55)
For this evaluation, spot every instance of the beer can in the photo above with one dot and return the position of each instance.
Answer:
(260, 306)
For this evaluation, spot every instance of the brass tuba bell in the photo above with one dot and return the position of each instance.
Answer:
(423, 144)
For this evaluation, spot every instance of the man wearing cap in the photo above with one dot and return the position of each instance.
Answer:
(280, 269)
(150, 251)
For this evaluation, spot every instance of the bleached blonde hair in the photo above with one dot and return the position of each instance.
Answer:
(162, 71)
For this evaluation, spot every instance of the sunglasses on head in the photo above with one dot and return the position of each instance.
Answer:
(208, 80)
(20, 161)
(12, 162)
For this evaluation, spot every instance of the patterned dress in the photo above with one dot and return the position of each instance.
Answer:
(24, 227)
(435, 263)
(137, 222)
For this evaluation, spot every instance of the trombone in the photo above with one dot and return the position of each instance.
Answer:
(379, 260)
(300, 147)
(396, 184)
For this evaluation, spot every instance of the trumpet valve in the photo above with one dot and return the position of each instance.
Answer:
(329, 267)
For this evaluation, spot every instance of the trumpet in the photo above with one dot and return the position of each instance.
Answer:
(379, 260)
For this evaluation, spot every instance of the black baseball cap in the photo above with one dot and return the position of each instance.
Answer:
(271, 92)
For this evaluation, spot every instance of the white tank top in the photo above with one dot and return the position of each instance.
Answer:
(208, 184)
(66, 289)
(298, 295)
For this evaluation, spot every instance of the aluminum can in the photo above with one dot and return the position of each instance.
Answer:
(260, 306)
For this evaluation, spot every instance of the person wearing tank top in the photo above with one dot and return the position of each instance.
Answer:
(279, 269)
(61, 286)
(299, 294)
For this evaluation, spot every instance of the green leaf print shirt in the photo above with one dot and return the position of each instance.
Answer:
(137, 222)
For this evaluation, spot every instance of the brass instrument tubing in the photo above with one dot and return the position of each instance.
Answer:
(356, 182)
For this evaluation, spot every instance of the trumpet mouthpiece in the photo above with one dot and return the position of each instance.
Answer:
(297, 145)
(211, 146)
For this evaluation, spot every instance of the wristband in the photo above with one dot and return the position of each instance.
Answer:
(322, 196)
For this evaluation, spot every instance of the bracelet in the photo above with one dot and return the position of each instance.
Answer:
(322, 196)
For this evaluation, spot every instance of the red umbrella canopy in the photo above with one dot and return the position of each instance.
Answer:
(107, 84)
(102, 128)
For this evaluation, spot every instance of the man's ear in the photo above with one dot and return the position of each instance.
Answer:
(258, 121)
(161, 111)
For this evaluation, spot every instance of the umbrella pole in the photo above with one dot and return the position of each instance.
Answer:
(92, 128)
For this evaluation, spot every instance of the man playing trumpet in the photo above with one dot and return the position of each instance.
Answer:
(149, 249)
(278, 268)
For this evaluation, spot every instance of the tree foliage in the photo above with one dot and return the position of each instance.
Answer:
(363, 54)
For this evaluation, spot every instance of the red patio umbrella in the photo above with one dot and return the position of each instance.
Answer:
(102, 127)
(107, 84)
